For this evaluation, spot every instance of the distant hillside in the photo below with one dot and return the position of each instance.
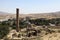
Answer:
(42, 15)
(36, 15)
(4, 15)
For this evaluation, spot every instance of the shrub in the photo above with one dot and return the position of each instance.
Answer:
(59, 31)
(46, 33)
(4, 30)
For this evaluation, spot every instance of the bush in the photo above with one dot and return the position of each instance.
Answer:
(46, 33)
(4, 30)
(58, 31)
(40, 22)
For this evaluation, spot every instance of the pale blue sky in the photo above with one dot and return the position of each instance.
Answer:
(30, 6)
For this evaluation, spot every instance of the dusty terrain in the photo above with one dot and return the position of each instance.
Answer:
(32, 15)
(44, 35)
(53, 36)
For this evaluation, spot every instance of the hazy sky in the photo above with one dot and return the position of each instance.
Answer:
(30, 6)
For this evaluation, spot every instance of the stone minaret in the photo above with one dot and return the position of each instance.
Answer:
(17, 19)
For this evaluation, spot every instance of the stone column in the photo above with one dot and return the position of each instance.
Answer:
(17, 19)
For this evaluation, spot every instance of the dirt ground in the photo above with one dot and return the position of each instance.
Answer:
(53, 36)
